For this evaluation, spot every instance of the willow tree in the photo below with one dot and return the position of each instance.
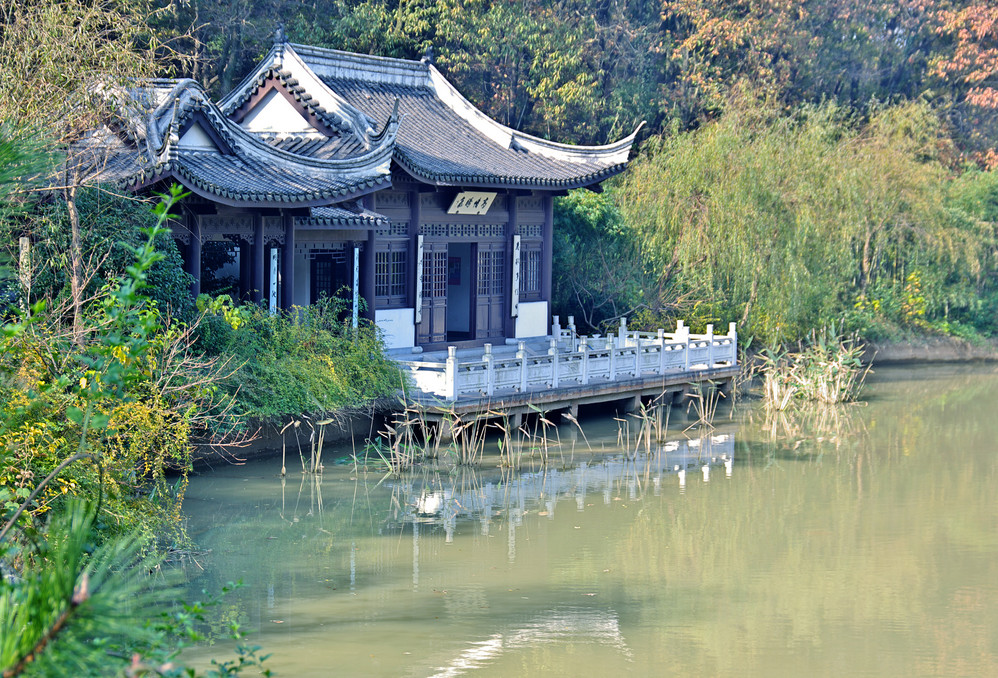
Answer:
(788, 222)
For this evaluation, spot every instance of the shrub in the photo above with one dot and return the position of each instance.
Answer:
(827, 369)
(305, 361)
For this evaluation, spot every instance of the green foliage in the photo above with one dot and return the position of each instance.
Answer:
(598, 275)
(128, 396)
(75, 608)
(114, 228)
(69, 606)
(826, 369)
(789, 222)
(304, 361)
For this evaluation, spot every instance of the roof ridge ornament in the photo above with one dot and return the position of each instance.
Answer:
(279, 36)
(428, 56)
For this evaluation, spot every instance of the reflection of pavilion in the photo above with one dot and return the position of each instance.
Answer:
(577, 624)
(441, 500)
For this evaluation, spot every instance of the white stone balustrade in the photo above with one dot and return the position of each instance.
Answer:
(574, 360)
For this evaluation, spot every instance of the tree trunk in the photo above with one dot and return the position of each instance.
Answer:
(864, 266)
(75, 266)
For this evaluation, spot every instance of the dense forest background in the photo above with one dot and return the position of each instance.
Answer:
(803, 162)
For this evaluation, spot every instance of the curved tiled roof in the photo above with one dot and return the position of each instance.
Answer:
(245, 169)
(437, 144)
(442, 138)
(342, 216)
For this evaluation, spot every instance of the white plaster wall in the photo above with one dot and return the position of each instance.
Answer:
(398, 326)
(532, 320)
(275, 114)
(303, 275)
(197, 139)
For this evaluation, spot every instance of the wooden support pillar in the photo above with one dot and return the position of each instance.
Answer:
(194, 253)
(367, 266)
(257, 257)
(509, 328)
(546, 247)
(414, 205)
(367, 275)
(245, 268)
(288, 263)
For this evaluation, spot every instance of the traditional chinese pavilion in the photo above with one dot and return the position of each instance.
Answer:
(332, 171)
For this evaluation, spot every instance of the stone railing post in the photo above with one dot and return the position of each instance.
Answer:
(553, 352)
(571, 332)
(555, 326)
(584, 349)
(710, 346)
(450, 374)
(661, 351)
(611, 347)
(622, 333)
(733, 333)
(490, 374)
(683, 335)
(521, 355)
(682, 331)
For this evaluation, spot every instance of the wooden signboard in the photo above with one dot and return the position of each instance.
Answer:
(471, 202)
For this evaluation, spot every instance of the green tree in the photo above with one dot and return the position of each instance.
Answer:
(786, 223)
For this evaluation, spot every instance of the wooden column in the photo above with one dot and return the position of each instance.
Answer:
(509, 326)
(288, 262)
(547, 247)
(367, 269)
(414, 212)
(257, 257)
(194, 253)
(245, 269)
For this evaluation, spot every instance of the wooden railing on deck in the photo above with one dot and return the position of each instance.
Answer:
(573, 360)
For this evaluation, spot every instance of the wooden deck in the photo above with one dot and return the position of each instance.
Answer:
(565, 370)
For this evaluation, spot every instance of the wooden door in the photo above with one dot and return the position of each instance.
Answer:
(332, 275)
(490, 291)
(433, 327)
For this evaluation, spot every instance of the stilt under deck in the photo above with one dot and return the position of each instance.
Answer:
(564, 370)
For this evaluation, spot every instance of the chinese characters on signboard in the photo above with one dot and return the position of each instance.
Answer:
(471, 202)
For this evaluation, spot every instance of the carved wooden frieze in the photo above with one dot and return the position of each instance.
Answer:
(273, 229)
(391, 199)
(529, 203)
(220, 225)
(464, 231)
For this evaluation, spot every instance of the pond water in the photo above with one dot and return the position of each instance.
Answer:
(860, 541)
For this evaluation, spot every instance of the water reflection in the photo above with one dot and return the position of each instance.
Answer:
(472, 495)
(857, 541)
(559, 625)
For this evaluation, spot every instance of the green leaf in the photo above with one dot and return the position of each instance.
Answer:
(75, 415)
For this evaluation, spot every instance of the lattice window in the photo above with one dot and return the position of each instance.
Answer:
(530, 271)
(497, 271)
(391, 267)
(492, 231)
(491, 272)
(434, 275)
